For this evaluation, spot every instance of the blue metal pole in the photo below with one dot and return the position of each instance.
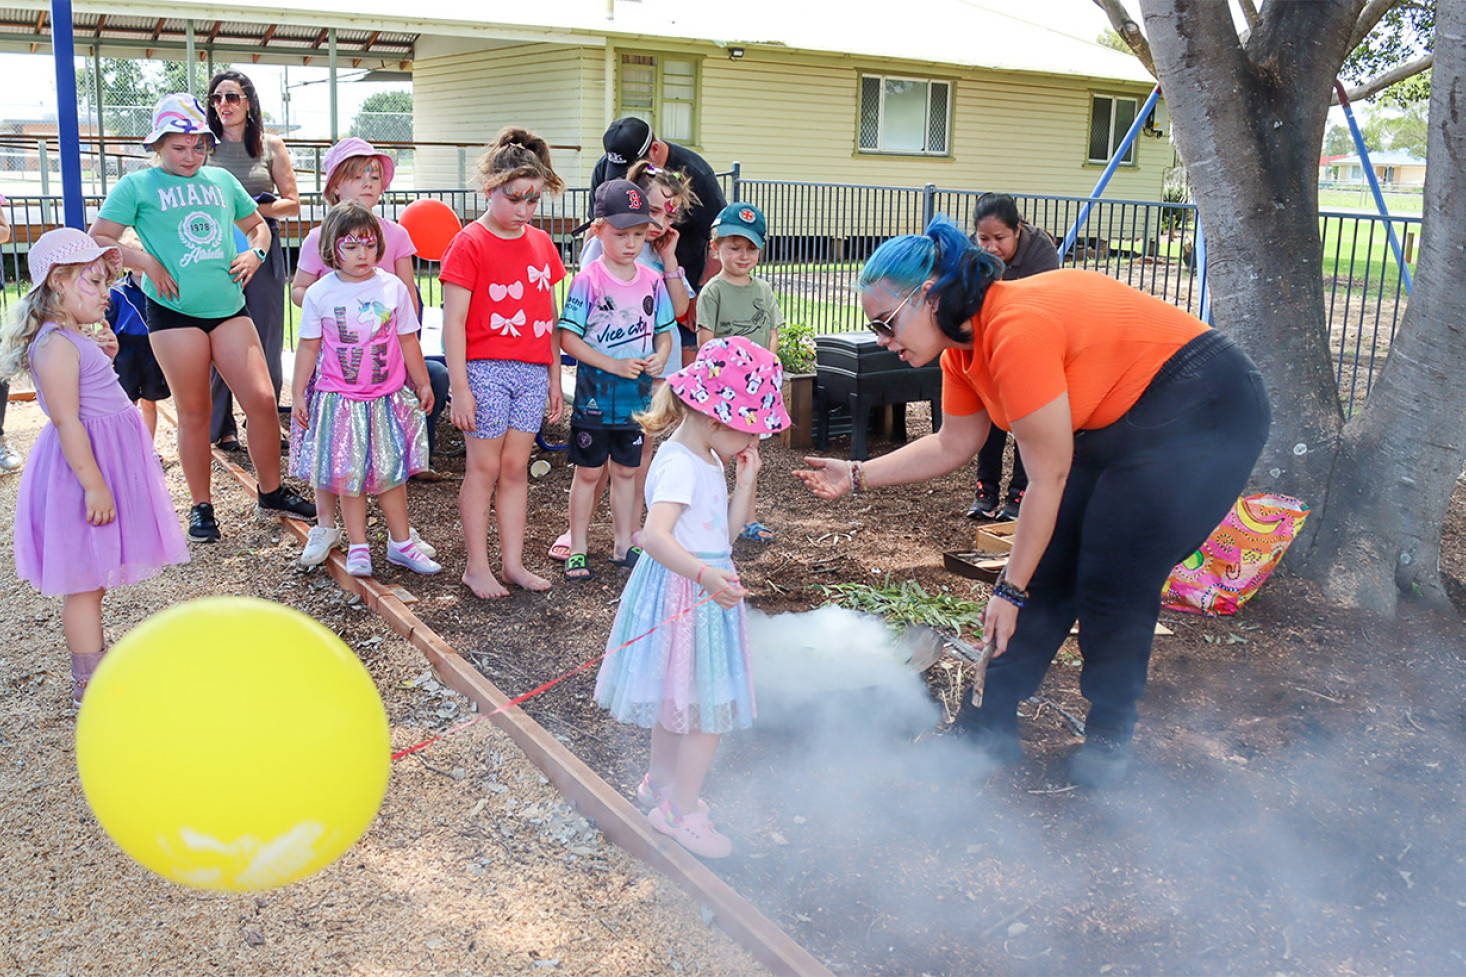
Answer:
(1379, 197)
(68, 129)
(1104, 179)
(1201, 270)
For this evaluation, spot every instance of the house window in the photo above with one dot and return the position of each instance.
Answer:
(905, 115)
(661, 90)
(1110, 117)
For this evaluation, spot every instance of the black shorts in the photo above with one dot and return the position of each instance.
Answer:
(590, 446)
(138, 370)
(687, 336)
(161, 317)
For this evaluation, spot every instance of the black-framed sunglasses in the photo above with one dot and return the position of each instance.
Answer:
(886, 325)
(219, 98)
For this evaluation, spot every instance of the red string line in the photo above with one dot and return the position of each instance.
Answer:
(552, 682)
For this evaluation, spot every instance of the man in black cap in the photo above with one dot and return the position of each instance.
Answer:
(630, 139)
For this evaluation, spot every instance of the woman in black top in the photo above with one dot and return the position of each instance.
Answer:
(1026, 250)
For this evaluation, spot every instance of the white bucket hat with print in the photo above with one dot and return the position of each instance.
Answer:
(179, 112)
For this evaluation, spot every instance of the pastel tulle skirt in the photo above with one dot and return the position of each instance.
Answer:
(361, 446)
(690, 674)
(57, 550)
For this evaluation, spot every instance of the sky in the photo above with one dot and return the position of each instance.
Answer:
(21, 97)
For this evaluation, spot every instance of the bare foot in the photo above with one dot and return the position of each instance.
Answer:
(484, 584)
(527, 580)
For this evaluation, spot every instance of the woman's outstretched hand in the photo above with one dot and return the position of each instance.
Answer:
(829, 478)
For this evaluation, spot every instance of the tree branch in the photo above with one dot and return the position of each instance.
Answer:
(1128, 29)
(1249, 12)
(1385, 79)
(1370, 16)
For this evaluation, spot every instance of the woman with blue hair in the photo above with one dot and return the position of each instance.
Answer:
(1139, 426)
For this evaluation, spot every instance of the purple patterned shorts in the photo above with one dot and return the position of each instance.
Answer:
(507, 393)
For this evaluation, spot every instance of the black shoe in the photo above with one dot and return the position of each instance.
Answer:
(284, 502)
(1009, 512)
(985, 506)
(231, 445)
(1102, 762)
(202, 526)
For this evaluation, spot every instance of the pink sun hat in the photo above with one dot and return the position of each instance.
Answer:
(67, 246)
(351, 147)
(736, 381)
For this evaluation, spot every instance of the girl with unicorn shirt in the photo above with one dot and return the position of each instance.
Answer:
(365, 429)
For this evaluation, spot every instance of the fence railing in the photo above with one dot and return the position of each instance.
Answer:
(821, 233)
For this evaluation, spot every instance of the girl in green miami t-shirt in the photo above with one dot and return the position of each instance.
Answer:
(194, 276)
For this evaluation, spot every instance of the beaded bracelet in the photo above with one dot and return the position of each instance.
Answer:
(1013, 595)
(857, 478)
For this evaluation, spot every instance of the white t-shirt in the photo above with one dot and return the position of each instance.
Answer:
(358, 324)
(679, 475)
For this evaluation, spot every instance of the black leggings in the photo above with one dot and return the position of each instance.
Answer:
(1142, 495)
(990, 464)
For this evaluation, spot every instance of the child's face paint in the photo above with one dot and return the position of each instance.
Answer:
(84, 295)
(365, 188)
(656, 209)
(183, 154)
(513, 205)
(356, 254)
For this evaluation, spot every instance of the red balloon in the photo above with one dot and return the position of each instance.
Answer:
(431, 224)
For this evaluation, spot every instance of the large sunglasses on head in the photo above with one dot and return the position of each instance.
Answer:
(886, 325)
(219, 98)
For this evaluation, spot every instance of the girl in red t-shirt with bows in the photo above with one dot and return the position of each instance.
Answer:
(503, 356)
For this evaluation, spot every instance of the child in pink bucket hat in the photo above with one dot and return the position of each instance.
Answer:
(677, 659)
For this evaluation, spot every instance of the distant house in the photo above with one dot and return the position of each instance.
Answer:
(1391, 168)
(937, 91)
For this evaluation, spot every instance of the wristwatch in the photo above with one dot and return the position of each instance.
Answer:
(260, 253)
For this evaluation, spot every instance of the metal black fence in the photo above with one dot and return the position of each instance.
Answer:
(820, 233)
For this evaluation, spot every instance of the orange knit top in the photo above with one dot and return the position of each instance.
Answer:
(1065, 331)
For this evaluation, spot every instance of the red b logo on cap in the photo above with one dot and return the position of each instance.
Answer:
(633, 199)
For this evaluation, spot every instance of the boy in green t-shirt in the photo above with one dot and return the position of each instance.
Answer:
(735, 303)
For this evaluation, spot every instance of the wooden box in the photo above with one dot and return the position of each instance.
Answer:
(996, 537)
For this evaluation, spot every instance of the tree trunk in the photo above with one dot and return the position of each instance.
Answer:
(1400, 456)
(1249, 121)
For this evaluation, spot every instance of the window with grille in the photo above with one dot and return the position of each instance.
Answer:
(905, 115)
(1110, 117)
(663, 91)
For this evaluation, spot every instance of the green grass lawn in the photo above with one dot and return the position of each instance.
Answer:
(1401, 203)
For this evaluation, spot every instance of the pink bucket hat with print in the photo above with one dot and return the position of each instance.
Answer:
(736, 381)
(67, 246)
(351, 147)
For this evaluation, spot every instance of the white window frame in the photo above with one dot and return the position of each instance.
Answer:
(660, 58)
(879, 149)
(1114, 137)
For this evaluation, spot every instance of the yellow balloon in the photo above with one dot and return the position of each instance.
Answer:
(232, 743)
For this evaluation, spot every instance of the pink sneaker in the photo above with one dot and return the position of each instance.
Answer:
(410, 555)
(648, 795)
(692, 831)
(359, 560)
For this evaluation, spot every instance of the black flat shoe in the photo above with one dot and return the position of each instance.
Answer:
(232, 446)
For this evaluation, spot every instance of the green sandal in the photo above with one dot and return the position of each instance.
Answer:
(577, 567)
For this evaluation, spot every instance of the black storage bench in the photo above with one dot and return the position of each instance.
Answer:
(853, 371)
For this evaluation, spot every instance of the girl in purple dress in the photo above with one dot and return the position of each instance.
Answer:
(93, 510)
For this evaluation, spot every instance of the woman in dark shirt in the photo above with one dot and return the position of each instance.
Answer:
(1026, 250)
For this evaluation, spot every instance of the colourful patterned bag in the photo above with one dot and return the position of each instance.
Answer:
(1238, 556)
